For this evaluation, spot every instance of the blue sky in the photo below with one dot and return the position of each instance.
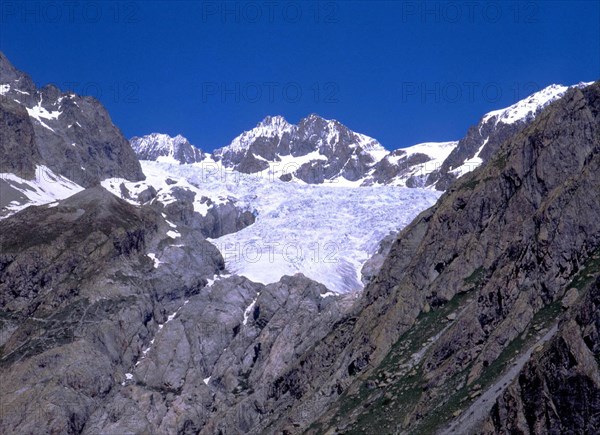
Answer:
(402, 72)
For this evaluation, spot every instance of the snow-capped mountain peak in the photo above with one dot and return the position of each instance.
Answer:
(162, 147)
(276, 122)
(317, 150)
(270, 127)
(484, 139)
(527, 108)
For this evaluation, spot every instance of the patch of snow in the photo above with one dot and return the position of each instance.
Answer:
(173, 234)
(248, 309)
(157, 262)
(38, 113)
(47, 187)
(167, 159)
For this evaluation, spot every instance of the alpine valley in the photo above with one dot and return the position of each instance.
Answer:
(303, 278)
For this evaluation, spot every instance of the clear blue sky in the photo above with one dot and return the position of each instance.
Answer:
(402, 72)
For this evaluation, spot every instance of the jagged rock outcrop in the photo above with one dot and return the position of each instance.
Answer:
(72, 135)
(558, 390)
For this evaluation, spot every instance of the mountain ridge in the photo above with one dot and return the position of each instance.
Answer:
(319, 150)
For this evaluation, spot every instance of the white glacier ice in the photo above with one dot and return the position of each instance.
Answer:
(325, 232)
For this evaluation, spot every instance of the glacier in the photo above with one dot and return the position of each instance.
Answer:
(326, 232)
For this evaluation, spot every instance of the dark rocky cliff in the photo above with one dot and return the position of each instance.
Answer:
(72, 135)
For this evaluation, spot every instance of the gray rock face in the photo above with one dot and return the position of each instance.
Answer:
(158, 146)
(211, 367)
(72, 135)
(558, 390)
(18, 151)
(80, 298)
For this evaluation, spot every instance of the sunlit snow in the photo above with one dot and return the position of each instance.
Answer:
(38, 113)
(47, 187)
(327, 233)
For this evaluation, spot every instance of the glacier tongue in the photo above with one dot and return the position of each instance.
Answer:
(326, 232)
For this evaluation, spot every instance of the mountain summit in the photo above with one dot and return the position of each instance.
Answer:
(314, 150)
(162, 147)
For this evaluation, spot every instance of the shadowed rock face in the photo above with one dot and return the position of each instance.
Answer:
(558, 390)
(72, 135)
(18, 151)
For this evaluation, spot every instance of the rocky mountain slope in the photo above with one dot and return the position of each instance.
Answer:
(48, 136)
(484, 139)
(470, 285)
